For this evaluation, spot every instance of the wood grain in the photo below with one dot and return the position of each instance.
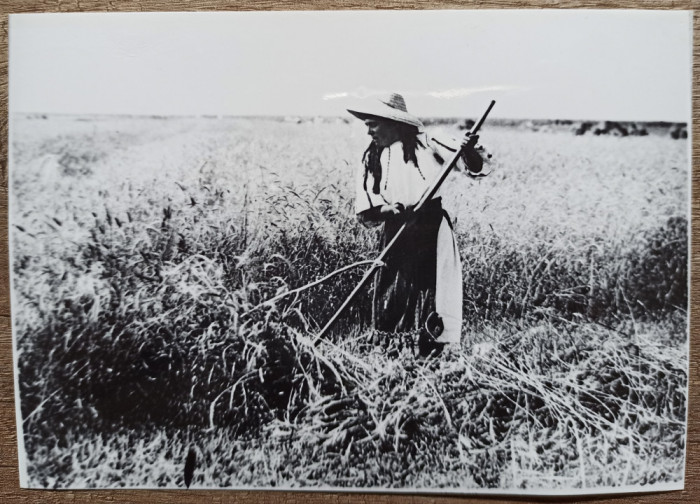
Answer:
(9, 479)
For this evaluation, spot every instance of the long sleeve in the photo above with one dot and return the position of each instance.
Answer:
(446, 148)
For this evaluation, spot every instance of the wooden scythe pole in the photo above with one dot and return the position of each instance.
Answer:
(427, 196)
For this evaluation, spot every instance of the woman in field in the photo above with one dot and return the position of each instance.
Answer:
(418, 293)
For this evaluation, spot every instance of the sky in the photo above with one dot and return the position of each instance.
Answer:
(537, 64)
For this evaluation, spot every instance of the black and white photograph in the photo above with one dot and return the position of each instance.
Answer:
(439, 251)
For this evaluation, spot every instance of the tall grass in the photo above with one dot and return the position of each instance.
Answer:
(138, 311)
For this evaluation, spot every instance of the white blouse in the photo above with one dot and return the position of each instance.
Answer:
(401, 181)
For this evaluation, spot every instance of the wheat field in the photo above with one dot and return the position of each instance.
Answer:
(144, 250)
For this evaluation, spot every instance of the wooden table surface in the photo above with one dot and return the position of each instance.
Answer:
(9, 479)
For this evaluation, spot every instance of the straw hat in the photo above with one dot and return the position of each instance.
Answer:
(391, 106)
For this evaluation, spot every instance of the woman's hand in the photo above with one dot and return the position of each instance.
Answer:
(471, 157)
(406, 213)
(376, 215)
(469, 140)
(391, 210)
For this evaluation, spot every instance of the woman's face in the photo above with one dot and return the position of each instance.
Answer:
(383, 131)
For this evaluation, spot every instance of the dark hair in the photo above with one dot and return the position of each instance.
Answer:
(408, 135)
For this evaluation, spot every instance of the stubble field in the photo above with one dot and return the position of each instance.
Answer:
(143, 250)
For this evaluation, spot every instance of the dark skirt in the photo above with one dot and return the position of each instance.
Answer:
(404, 290)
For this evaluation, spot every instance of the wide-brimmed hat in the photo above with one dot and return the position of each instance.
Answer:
(391, 106)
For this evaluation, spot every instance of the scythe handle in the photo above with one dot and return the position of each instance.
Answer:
(430, 192)
(427, 196)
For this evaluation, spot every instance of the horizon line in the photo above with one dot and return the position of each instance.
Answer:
(327, 116)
